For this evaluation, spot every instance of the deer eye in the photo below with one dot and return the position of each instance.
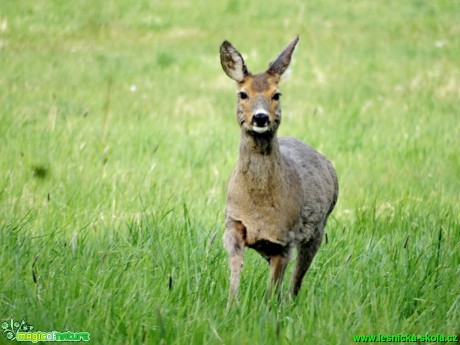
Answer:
(243, 95)
(276, 96)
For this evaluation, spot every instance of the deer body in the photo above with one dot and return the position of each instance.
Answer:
(281, 191)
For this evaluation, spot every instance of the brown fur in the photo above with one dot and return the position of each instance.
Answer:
(281, 191)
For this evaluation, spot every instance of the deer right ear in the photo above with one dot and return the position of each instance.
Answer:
(280, 66)
(232, 62)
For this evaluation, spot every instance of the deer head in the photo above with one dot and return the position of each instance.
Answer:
(258, 110)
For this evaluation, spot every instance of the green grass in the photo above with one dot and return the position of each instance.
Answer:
(118, 134)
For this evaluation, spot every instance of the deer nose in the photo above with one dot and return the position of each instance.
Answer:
(260, 119)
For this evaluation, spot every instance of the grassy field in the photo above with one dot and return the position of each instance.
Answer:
(118, 135)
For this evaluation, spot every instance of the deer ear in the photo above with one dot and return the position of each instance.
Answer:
(279, 67)
(232, 62)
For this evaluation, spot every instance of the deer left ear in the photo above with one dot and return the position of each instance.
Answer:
(279, 67)
(232, 62)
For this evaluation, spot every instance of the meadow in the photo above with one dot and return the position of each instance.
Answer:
(118, 134)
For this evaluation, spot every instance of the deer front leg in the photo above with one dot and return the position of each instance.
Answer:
(234, 244)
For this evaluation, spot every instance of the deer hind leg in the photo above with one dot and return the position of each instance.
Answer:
(234, 241)
(306, 251)
(278, 264)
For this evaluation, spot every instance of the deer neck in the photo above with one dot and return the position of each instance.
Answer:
(260, 161)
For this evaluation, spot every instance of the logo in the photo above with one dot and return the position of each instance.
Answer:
(22, 331)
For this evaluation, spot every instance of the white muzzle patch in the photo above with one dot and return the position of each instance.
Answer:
(260, 129)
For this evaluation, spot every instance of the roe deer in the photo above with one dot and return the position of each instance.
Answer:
(281, 191)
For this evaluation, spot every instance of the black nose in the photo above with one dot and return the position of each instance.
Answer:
(260, 119)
